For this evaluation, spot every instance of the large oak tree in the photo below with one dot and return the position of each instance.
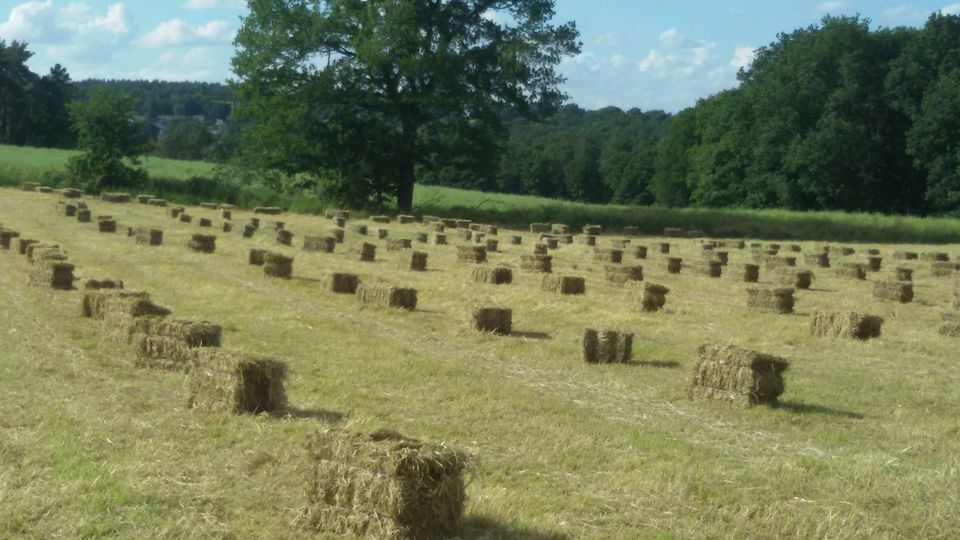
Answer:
(363, 87)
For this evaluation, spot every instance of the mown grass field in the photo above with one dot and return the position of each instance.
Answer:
(864, 444)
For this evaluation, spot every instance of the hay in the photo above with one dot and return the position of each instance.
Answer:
(905, 255)
(205, 222)
(365, 252)
(185, 218)
(148, 237)
(852, 270)
(491, 245)
(53, 274)
(226, 214)
(438, 239)
(337, 234)
(559, 228)
(380, 219)
(664, 247)
(227, 227)
(471, 254)
(157, 202)
(564, 239)
(100, 303)
(516, 240)
(203, 243)
(747, 273)
(552, 243)
(84, 215)
(70, 193)
(168, 344)
(894, 291)
(538, 228)
(175, 211)
(798, 279)
(639, 252)
(540, 249)
(115, 197)
(696, 233)
(651, 298)
(256, 256)
(6, 236)
(30, 186)
(268, 210)
(874, 264)
(631, 231)
(847, 251)
(359, 229)
(614, 256)
(737, 375)
(70, 210)
(536, 263)
(23, 244)
(319, 244)
(903, 274)
(464, 234)
(673, 232)
(101, 284)
(209, 205)
(399, 244)
(225, 381)
(248, 231)
(421, 238)
(564, 285)
(383, 485)
(498, 275)
(498, 320)
(942, 269)
(37, 253)
(418, 261)
(276, 265)
(818, 260)
(847, 325)
(773, 262)
(622, 274)
(673, 265)
(607, 346)
(778, 301)
(934, 256)
(284, 237)
(462, 223)
(394, 297)
(722, 256)
(713, 269)
(438, 227)
(382, 234)
(592, 230)
(342, 283)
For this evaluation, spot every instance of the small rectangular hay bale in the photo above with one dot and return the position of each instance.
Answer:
(227, 381)
(621, 274)
(382, 485)
(148, 237)
(84, 215)
(564, 285)
(496, 275)
(185, 218)
(394, 297)
(778, 301)
(284, 237)
(651, 298)
(205, 222)
(894, 291)
(934, 256)
(256, 256)
(905, 255)
(276, 265)
(592, 230)
(319, 244)
(903, 274)
(639, 252)
(614, 256)
(713, 269)
(673, 265)
(343, 283)
(101, 284)
(587, 240)
(536, 263)
(438, 239)
(115, 197)
(53, 274)
(846, 325)
(418, 261)
(818, 260)
(365, 252)
(203, 243)
(852, 270)
(107, 226)
(498, 320)
(23, 244)
(471, 254)
(874, 264)
(268, 210)
(380, 219)
(6, 236)
(539, 228)
(607, 346)
(157, 202)
(399, 244)
(942, 269)
(798, 279)
(747, 273)
(737, 375)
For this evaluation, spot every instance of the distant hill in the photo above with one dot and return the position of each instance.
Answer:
(213, 101)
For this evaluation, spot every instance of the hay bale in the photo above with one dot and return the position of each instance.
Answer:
(498, 320)
(7, 236)
(174, 212)
(631, 231)
(52, 273)
(322, 244)
(418, 261)
(337, 234)
(101, 284)
(255, 221)
(205, 222)
(406, 220)
(540, 249)
(538, 228)
(248, 231)
(492, 245)
(339, 223)
(722, 257)
(564, 285)
(365, 252)
(284, 237)
(30, 186)
(399, 244)
(438, 227)
(536, 263)
(639, 252)
(592, 230)
(818, 260)
(438, 239)
(185, 218)
(268, 210)
(342, 283)
(905, 255)
(107, 226)
(852, 270)
(421, 238)
(516, 240)
(162, 343)
(497, 275)
(652, 298)
(778, 301)
(903, 274)
(382, 234)
(564, 239)
(673, 232)
(209, 205)
(44, 251)
(115, 197)
(71, 193)
(148, 237)
(471, 254)
(226, 381)
(847, 325)
(664, 247)
(942, 269)
(607, 346)
(383, 485)
(552, 243)
(256, 256)
(464, 234)
(737, 375)
(798, 279)
(559, 228)
(622, 274)
(713, 269)
(614, 256)
(203, 243)
(847, 251)
(934, 256)
(276, 265)
(84, 215)
(894, 291)
(380, 219)
(773, 262)
(99, 304)
(696, 233)
(157, 202)
(226, 214)
(331, 213)
(747, 273)
(227, 227)
(23, 244)
(70, 210)
(394, 297)
(673, 265)
(359, 229)
(874, 264)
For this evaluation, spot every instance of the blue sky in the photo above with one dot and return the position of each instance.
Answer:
(636, 53)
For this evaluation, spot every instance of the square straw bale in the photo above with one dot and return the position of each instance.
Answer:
(228, 381)
(737, 375)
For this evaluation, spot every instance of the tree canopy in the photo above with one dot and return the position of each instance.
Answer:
(369, 88)
(111, 143)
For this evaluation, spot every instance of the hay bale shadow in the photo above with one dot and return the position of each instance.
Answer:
(485, 528)
(542, 336)
(662, 364)
(306, 280)
(330, 417)
(809, 408)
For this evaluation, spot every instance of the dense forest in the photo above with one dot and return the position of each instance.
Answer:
(833, 116)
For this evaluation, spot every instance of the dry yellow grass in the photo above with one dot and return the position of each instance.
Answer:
(864, 445)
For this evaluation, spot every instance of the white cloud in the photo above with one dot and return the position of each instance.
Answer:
(200, 4)
(194, 64)
(28, 21)
(76, 34)
(611, 39)
(677, 56)
(833, 6)
(178, 32)
(952, 9)
(618, 60)
(672, 38)
(742, 57)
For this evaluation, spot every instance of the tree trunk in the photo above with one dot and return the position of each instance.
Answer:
(405, 186)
